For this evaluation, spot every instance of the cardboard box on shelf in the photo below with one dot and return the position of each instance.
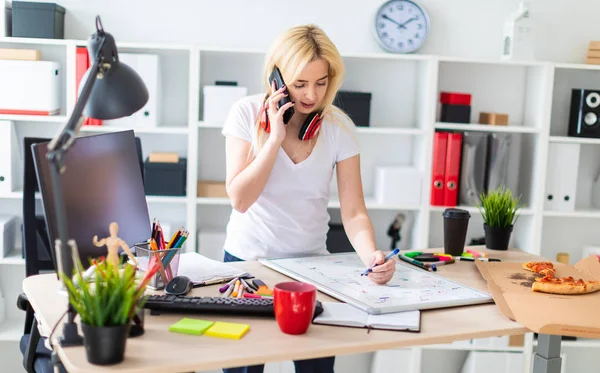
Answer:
(567, 315)
(213, 189)
(495, 119)
(593, 54)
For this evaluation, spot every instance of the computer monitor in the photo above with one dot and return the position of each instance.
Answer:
(102, 184)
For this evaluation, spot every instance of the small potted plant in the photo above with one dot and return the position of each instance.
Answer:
(499, 209)
(106, 306)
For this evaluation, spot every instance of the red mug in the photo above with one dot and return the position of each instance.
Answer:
(294, 304)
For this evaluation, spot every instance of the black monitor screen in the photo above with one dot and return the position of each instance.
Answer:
(102, 183)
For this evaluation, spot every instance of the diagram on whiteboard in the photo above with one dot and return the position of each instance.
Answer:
(411, 288)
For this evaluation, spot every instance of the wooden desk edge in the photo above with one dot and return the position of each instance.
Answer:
(358, 347)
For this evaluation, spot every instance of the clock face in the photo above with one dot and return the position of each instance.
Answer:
(401, 26)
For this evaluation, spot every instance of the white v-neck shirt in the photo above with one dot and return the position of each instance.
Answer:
(290, 217)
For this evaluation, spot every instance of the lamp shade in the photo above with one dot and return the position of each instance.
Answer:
(119, 93)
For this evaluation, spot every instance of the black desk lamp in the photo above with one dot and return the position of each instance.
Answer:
(111, 90)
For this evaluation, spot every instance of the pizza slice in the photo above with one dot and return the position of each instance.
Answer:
(543, 268)
(564, 285)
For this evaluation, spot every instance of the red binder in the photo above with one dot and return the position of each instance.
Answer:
(452, 173)
(82, 63)
(438, 168)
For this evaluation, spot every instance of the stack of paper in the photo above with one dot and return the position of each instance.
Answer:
(205, 271)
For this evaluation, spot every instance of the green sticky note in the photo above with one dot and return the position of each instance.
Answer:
(191, 326)
(412, 254)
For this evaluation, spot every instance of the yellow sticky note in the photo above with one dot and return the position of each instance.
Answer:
(227, 330)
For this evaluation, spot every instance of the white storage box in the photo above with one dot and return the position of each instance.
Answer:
(30, 87)
(148, 68)
(9, 162)
(218, 100)
(398, 186)
(9, 229)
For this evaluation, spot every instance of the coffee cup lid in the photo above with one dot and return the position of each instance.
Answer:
(454, 213)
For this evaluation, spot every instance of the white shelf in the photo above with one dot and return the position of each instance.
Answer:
(389, 131)
(161, 130)
(35, 118)
(580, 343)
(484, 128)
(372, 204)
(17, 194)
(576, 66)
(474, 209)
(14, 257)
(11, 330)
(217, 201)
(587, 213)
(491, 62)
(40, 41)
(202, 124)
(575, 140)
(166, 199)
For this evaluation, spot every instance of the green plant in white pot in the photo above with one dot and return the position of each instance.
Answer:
(500, 210)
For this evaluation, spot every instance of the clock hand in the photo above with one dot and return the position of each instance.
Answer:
(410, 20)
(385, 16)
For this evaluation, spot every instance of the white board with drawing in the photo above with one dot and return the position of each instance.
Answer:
(411, 288)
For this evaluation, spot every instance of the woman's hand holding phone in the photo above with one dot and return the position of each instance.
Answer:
(276, 115)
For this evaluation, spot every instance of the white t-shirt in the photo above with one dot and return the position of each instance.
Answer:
(290, 217)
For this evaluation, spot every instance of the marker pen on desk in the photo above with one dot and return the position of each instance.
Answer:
(227, 293)
(464, 259)
(387, 257)
(247, 286)
(489, 260)
(224, 288)
(417, 263)
(476, 253)
(441, 263)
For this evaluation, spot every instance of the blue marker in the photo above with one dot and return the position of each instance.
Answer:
(388, 256)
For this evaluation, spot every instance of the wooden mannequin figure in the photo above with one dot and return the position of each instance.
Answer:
(113, 243)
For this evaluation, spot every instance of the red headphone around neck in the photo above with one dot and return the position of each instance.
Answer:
(308, 130)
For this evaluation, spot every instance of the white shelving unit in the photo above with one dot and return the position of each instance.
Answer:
(405, 91)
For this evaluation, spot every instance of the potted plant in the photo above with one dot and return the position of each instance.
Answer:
(106, 306)
(499, 209)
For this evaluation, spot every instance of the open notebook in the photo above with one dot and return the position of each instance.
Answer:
(343, 314)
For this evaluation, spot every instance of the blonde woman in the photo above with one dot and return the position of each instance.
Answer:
(278, 175)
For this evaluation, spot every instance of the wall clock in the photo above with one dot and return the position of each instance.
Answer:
(401, 26)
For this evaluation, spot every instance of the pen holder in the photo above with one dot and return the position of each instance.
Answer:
(170, 261)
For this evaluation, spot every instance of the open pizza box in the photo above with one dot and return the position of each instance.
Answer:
(568, 315)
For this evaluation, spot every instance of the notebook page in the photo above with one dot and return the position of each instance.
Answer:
(201, 269)
(399, 320)
(335, 313)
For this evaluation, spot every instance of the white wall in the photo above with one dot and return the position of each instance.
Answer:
(470, 28)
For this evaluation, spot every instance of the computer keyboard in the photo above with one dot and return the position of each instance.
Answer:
(224, 306)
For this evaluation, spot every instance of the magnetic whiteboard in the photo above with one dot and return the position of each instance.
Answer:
(411, 288)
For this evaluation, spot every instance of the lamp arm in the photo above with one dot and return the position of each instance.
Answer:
(57, 151)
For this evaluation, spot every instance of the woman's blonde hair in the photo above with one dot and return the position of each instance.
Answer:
(291, 52)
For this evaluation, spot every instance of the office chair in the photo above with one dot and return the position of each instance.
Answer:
(37, 358)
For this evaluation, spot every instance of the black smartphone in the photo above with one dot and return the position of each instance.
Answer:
(276, 76)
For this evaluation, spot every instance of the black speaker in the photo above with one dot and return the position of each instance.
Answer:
(584, 116)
